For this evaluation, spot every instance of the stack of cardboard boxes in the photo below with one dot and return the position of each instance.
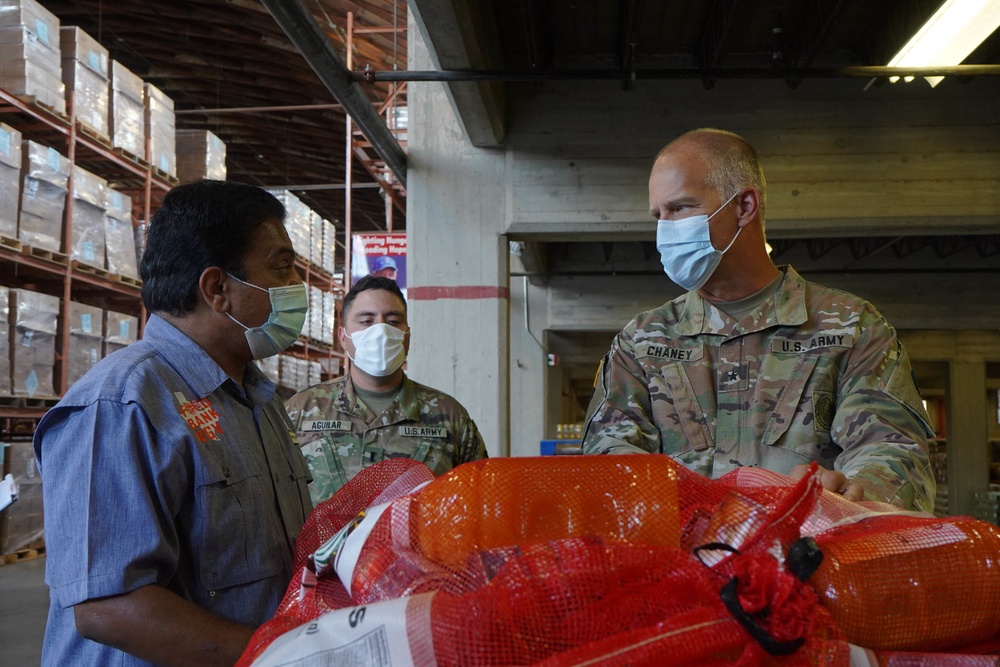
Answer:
(21, 523)
(86, 76)
(200, 154)
(30, 53)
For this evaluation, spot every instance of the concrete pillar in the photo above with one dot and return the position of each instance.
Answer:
(527, 367)
(968, 450)
(457, 262)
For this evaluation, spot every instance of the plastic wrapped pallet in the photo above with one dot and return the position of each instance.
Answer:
(293, 372)
(315, 238)
(86, 339)
(30, 53)
(139, 232)
(119, 234)
(34, 319)
(200, 154)
(297, 222)
(43, 196)
(329, 247)
(270, 367)
(4, 341)
(10, 179)
(21, 525)
(314, 320)
(119, 331)
(315, 373)
(329, 311)
(127, 111)
(89, 194)
(85, 74)
(161, 129)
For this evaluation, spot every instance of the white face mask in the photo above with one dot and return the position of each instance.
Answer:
(686, 249)
(283, 325)
(378, 350)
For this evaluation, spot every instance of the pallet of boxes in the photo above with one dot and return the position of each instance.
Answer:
(28, 325)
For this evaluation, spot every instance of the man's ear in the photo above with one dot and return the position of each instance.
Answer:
(748, 203)
(213, 288)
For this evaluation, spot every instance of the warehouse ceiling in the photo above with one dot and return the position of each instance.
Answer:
(225, 62)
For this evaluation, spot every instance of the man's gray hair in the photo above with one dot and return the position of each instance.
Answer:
(732, 163)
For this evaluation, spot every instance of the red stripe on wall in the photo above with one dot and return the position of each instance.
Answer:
(457, 292)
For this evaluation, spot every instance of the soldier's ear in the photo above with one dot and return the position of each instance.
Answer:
(748, 205)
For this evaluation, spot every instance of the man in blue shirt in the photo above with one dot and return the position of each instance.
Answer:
(174, 488)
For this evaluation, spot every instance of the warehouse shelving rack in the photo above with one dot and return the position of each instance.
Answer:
(52, 272)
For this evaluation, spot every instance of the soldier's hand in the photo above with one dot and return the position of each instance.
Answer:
(832, 481)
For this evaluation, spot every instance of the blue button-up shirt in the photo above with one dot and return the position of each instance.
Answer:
(158, 468)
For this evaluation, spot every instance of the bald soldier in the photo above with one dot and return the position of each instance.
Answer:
(375, 412)
(755, 366)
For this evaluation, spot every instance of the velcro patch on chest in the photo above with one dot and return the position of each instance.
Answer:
(423, 431)
(668, 352)
(789, 345)
(326, 425)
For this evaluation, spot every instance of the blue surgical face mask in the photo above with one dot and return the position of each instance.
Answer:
(283, 325)
(686, 249)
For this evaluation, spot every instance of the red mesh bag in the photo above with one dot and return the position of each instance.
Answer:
(554, 561)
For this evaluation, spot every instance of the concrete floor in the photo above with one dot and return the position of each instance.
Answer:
(24, 604)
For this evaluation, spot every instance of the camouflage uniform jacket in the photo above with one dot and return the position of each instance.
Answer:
(812, 374)
(339, 435)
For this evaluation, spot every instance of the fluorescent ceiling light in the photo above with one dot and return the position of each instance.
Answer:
(955, 30)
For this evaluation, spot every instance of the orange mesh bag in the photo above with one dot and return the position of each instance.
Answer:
(910, 583)
(900, 581)
(559, 561)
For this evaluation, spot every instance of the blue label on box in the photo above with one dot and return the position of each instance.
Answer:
(88, 251)
(164, 163)
(54, 159)
(85, 323)
(123, 329)
(116, 199)
(42, 30)
(31, 383)
(4, 141)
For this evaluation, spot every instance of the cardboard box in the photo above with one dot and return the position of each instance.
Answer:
(34, 320)
(200, 154)
(43, 196)
(30, 53)
(22, 523)
(126, 117)
(86, 339)
(87, 220)
(161, 130)
(119, 235)
(119, 331)
(86, 76)
(10, 179)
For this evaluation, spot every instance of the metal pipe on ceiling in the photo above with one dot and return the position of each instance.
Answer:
(314, 46)
(854, 71)
(290, 107)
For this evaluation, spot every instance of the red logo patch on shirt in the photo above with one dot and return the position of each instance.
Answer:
(201, 418)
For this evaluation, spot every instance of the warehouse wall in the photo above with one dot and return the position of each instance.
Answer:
(840, 161)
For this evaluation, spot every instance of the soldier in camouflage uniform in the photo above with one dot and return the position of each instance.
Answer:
(376, 412)
(755, 366)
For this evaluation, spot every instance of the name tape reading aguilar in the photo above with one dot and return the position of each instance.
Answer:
(406, 431)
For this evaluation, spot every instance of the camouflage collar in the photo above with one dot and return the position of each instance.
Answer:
(406, 407)
(699, 316)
